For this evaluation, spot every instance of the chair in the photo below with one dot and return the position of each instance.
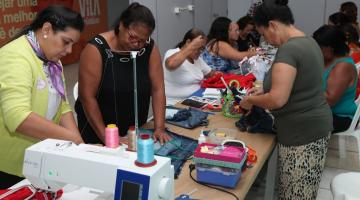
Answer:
(76, 90)
(345, 186)
(357, 67)
(351, 131)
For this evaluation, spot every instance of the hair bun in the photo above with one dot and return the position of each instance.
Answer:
(134, 5)
(282, 2)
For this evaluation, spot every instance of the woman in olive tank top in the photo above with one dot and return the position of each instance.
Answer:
(292, 92)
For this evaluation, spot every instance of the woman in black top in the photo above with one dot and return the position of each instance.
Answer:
(246, 27)
(106, 78)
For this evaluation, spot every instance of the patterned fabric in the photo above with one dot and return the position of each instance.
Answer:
(29, 192)
(218, 63)
(300, 169)
(55, 68)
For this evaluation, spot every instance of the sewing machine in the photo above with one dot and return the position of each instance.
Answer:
(51, 164)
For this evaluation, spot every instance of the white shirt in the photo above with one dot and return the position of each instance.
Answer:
(181, 82)
(54, 97)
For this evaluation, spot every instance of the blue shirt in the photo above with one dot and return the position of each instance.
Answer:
(217, 62)
(346, 106)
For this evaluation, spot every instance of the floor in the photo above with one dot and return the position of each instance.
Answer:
(334, 165)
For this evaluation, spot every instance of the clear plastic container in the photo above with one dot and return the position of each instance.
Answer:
(218, 135)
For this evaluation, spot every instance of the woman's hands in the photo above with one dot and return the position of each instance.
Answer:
(253, 52)
(161, 135)
(196, 44)
(255, 91)
(245, 102)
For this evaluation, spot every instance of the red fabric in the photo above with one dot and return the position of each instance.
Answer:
(26, 192)
(215, 81)
(355, 52)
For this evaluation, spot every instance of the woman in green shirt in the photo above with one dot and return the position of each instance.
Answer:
(292, 91)
(33, 102)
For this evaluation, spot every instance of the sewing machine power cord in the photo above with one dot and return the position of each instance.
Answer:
(192, 167)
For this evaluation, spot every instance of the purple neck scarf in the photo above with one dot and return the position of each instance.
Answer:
(55, 68)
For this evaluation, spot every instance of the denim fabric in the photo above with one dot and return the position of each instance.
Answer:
(181, 115)
(189, 118)
(167, 148)
(179, 149)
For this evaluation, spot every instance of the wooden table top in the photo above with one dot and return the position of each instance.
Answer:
(263, 144)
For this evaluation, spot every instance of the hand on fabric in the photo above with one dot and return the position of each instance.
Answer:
(161, 136)
(245, 104)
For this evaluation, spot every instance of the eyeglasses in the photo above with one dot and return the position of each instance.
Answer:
(134, 38)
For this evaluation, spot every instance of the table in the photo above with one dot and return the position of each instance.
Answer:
(264, 144)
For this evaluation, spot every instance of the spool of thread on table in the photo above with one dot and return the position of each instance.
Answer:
(132, 138)
(145, 150)
(111, 136)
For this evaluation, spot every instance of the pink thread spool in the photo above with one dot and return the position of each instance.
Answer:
(111, 136)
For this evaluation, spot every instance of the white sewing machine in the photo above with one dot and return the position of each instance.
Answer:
(51, 164)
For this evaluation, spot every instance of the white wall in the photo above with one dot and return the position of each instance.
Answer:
(309, 14)
(115, 8)
(171, 27)
(238, 8)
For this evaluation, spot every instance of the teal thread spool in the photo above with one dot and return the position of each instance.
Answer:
(145, 151)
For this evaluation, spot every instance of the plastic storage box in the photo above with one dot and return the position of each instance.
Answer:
(221, 165)
(221, 176)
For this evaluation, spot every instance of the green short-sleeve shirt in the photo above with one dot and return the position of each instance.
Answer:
(306, 116)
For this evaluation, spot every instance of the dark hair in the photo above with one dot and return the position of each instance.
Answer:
(347, 5)
(351, 34)
(339, 18)
(190, 35)
(279, 11)
(219, 30)
(332, 36)
(60, 17)
(135, 14)
(244, 21)
(349, 8)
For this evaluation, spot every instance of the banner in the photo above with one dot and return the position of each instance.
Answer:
(18, 13)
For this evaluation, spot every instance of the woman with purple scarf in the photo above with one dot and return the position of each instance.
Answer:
(33, 104)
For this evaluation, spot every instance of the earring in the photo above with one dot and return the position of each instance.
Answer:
(44, 36)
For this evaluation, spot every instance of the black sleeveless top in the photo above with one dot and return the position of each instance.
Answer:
(115, 94)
